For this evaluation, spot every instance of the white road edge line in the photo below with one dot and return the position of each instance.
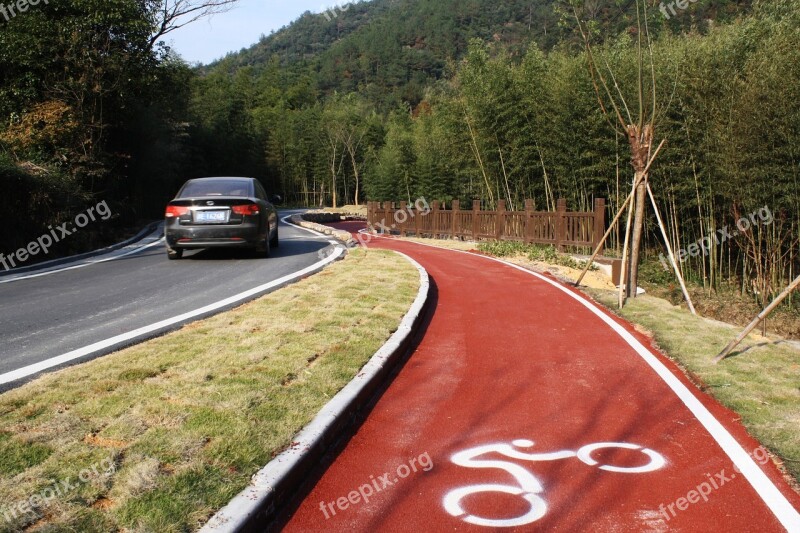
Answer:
(787, 515)
(30, 370)
(84, 265)
(97, 262)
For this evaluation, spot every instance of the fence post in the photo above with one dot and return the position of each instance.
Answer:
(403, 219)
(417, 221)
(455, 227)
(388, 207)
(476, 208)
(435, 222)
(561, 224)
(500, 220)
(599, 223)
(528, 235)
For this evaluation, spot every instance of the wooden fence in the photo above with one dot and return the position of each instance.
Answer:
(560, 228)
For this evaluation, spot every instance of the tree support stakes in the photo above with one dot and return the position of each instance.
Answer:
(603, 240)
(669, 249)
(754, 324)
(619, 214)
(623, 275)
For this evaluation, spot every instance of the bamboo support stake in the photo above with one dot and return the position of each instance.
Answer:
(603, 240)
(669, 250)
(754, 324)
(619, 214)
(623, 275)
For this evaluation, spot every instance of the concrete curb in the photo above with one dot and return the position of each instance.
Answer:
(340, 235)
(150, 228)
(275, 485)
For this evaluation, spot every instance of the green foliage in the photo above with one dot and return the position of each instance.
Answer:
(400, 99)
(88, 109)
(40, 198)
(533, 252)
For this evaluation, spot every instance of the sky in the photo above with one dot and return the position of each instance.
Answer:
(209, 39)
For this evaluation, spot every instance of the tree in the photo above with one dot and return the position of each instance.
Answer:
(637, 127)
(169, 15)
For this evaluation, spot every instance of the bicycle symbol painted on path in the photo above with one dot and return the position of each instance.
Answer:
(528, 486)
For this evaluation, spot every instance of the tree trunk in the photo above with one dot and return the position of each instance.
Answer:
(640, 140)
(356, 174)
(334, 171)
(636, 238)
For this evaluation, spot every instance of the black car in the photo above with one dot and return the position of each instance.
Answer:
(221, 212)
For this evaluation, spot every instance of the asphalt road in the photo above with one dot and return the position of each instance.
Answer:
(74, 309)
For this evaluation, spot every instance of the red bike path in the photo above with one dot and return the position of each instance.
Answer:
(508, 356)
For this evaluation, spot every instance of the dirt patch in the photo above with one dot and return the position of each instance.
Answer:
(100, 442)
(593, 279)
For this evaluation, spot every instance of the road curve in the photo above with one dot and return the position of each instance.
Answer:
(525, 407)
(73, 308)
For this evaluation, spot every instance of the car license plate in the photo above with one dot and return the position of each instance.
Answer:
(211, 216)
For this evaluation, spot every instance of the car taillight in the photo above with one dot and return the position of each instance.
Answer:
(176, 211)
(247, 209)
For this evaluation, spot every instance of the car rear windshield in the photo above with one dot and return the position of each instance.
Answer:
(205, 188)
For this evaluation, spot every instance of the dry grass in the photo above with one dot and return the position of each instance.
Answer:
(761, 383)
(171, 429)
(352, 210)
(450, 244)
(594, 279)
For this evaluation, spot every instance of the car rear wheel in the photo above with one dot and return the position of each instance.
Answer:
(275, 242)
(174, 254)
(264, 249)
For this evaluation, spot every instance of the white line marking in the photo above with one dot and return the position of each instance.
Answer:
(84, 265)
(97, 262)
(766, 489)
(30, 370)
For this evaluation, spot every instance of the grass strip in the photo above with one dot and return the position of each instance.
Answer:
(533, 252)
(159, 436)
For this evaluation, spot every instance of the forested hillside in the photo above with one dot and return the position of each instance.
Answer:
(397, 99)
(393, 49)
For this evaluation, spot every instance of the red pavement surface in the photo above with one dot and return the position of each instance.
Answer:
(507, 357)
